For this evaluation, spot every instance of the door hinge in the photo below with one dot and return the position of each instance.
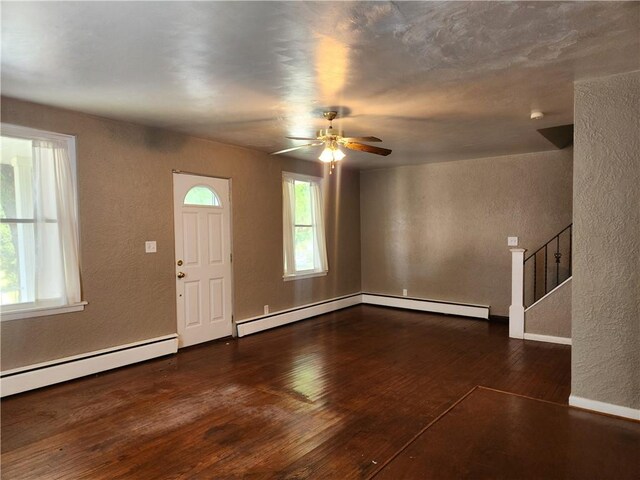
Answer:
(231, 257)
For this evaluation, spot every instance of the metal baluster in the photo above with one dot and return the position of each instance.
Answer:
(524, 283)
(558, 256)
(545, 269)
(535, 274)
(570, 246)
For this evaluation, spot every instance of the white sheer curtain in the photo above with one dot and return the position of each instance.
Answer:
(320, 244)
(56, 225)
(288, 225)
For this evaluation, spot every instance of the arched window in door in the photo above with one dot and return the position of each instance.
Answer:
(202, 196)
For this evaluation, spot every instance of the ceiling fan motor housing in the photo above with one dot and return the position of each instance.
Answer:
(330, 115)
(329, 132)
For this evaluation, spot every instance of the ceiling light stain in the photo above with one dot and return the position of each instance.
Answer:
(331, 62)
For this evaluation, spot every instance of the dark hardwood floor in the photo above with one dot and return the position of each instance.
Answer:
(517, 437)
(331, 397)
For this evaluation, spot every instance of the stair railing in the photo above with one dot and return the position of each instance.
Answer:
(547, 267)
(535, 276)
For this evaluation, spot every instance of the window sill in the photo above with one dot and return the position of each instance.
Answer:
(41, 311)
(301, 276)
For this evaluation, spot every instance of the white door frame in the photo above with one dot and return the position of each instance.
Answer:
(234, 328)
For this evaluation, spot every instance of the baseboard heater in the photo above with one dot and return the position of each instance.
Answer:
(48, 373)
(61, 370)
(276, 319)
(283, 317)
(425, 305)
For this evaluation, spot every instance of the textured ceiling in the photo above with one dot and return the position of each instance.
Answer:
(436, 81)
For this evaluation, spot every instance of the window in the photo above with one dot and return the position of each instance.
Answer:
(304, 246)
(201, 195)
(39, 270)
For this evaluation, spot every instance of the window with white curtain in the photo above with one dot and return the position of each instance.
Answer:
(304, 245)
(39, 266)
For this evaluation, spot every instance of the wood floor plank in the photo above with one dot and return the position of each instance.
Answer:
(492, 434)
(330, 397)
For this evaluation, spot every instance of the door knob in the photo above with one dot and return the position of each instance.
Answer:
(181, 275)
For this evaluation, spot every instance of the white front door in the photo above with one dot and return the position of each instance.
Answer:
(202, 216)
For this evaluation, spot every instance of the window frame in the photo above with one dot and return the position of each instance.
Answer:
(33, 309)
(302, 274)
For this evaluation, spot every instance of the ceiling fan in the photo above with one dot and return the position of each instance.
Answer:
(332, 142)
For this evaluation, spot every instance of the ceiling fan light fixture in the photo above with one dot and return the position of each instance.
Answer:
(331, 154)
(326, 155)
(332, 141)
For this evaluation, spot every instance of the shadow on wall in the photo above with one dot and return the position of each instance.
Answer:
(151, 138)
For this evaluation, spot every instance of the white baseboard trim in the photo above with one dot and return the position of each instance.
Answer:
(276, 319)
(40, 375)
(547, 338)
(602, 407)
(435, 306)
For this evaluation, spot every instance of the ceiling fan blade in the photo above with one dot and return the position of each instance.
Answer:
(362, 139)
(295, 148)
(367, 148)
(302, 138)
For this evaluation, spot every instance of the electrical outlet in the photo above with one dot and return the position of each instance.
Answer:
(512, 241)
(266, 309)
(150, 246)
(404, 292)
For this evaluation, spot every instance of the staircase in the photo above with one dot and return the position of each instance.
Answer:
(547, 267)
(541, 291)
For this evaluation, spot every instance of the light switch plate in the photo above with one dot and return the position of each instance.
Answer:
(512, 241)
(150, 246)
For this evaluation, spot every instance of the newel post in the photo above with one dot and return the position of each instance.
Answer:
(516, 310)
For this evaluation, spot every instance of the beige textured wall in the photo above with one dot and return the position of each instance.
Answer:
(552, 316)
(125, 198)
(440, 229)
(606, 275)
